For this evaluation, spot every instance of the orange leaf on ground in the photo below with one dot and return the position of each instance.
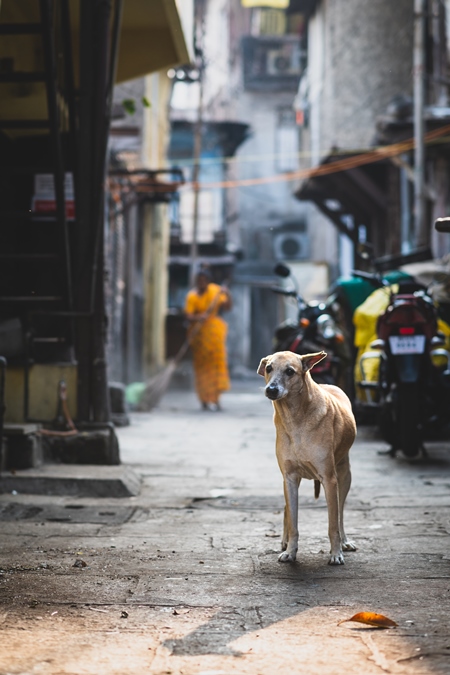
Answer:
(371, 619)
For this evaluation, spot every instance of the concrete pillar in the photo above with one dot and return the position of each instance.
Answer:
(156, 230)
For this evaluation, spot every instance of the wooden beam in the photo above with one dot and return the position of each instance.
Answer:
(335, 219)
(363, 180)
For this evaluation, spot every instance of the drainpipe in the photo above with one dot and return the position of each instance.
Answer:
(195, 181)
(420, 230)
(200, 40)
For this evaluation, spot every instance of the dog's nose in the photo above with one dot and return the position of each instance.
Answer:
(272, 392)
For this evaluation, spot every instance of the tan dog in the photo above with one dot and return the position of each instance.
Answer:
(315, 431)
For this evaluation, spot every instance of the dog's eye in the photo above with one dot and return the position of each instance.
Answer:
(269, 369)
(289, 372)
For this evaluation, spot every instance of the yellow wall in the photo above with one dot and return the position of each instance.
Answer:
(156, 251)
(156, 226)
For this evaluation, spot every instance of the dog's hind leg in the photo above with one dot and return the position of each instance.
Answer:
(344, 480)
(290, 527)
(331, 488)
(284, 541)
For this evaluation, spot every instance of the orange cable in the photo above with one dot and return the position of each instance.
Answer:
(369, 157)
(361, 159)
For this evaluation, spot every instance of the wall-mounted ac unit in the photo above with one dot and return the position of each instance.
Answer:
(291, 246)
(286, 60)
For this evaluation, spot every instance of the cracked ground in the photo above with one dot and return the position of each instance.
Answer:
(184, 577)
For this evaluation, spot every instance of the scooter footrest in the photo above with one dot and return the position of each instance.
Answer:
(366, 384)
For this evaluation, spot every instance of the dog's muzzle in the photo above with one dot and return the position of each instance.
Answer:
(272, 392)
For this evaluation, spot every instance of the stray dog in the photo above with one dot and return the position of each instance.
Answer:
(315, 430)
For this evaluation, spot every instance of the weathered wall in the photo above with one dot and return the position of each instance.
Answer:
(359, 58)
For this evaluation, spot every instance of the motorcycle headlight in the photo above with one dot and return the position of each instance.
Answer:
(326, 327)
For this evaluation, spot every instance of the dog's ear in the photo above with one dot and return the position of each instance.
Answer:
(310, 360)
(262, 366)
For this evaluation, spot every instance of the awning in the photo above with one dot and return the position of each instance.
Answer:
(154, 35)
(360, 192)
(225, 136)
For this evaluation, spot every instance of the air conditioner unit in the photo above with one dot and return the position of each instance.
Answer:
(285, 60)
(291, 246)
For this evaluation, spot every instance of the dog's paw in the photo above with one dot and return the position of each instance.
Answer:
(337, 559)
(284, 545)
(286, 557)
(349, 546)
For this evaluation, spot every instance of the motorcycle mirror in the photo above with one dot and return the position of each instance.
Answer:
(282, 270)
(442, 224)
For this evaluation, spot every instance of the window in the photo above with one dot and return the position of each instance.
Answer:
(286, 139)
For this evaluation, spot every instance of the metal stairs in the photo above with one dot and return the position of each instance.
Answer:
(36, 297)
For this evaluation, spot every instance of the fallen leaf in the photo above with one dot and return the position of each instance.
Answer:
(371, 619)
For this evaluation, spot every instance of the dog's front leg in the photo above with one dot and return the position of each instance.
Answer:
(330, 485)
(290, 528)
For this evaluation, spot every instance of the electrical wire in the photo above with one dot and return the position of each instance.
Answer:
(369, 157)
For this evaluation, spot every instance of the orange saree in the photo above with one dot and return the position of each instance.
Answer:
(208, 344)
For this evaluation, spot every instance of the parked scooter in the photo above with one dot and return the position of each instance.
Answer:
(412, 392)
(314, 330)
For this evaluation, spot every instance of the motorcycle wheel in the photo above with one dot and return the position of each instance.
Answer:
(408, 416)
(386, 423)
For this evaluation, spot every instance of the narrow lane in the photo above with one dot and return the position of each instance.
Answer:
(184, 578)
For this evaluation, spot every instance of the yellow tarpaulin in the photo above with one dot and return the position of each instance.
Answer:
(365, 321)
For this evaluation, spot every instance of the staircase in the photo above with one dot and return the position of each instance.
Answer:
(36, 240)
(35, 245)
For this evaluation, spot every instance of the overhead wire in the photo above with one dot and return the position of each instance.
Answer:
(361, 159)
(437, 136)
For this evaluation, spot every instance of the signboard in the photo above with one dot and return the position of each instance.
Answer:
(44, 200)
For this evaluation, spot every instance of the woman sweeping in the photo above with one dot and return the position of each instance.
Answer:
(207, 334)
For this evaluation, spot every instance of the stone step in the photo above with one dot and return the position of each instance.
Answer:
(72, 480)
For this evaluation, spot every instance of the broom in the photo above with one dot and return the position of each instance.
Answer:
(156, 386)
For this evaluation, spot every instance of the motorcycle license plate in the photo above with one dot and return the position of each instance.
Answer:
(407, 344)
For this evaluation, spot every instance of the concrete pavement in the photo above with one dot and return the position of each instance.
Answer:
(184, 578)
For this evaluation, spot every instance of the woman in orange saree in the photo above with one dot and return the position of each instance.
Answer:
(207, 334)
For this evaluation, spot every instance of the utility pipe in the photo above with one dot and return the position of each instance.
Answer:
(420, 234)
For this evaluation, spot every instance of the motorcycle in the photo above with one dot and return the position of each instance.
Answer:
(314, 330)
(412, 392)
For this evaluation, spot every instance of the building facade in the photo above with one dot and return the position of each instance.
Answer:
(357, 93)
(250, 60)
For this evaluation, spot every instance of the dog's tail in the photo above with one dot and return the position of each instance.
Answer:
(316, 489)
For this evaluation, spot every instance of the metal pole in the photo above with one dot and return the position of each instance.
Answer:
(50, 58)
(195, 181)
(197, 141)
(420, 237)
(2, 406)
